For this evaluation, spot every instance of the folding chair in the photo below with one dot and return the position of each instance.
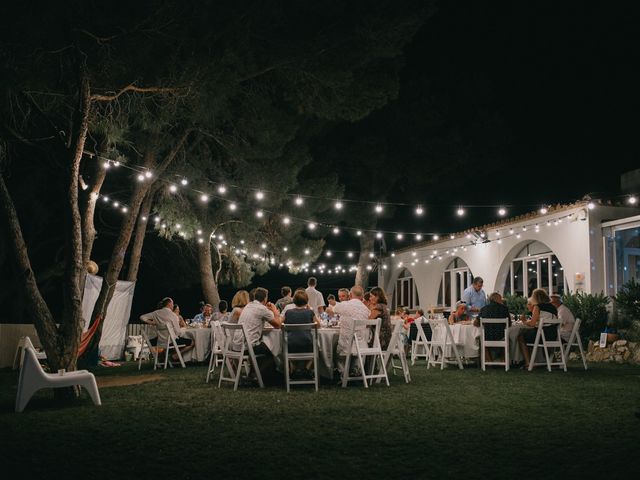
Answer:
(217, 340)
(362, 352)
(422, 341)
(170, 345)
(22, 343)
(33, 378)
(439, 344)
(229, 355)
(396, 348)
(541, 340)
(574, 340)
(312, 355)
(147, 348)
(495, 325)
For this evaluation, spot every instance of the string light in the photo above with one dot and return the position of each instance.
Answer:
(591, 205)
(419, 237)
(419, 210)
(460, 211)
(543, 210)
(141, 178)
(336, 230)
(173, 188)
(312, 226)
(259, 195)
(184, 182)
(204, 197)
(259, 214)
(632, 200)
(286, 220)
(232, 206)
(502, 212)
(148, 174)
(378, 208)
(399, 236)
(359, 233)
(299, 201)
(379, 235)
(338, 205)
(222, 189)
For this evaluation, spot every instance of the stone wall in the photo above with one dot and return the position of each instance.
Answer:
(620, 351)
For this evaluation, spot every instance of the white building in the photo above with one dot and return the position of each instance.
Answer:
(568, 248)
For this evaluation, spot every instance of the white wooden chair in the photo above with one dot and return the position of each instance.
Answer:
(422, 344)
(541, 341)
(216, 356)
(575, 341)
(171, 345)
(440, 341)
(363, 351)
(33, 378)
(245, 354)
(146, 348)
(300, 356)
(22, 343)
(504, 343)
(396, 349)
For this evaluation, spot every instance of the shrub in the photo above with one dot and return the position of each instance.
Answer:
(516, 304)
(628, 304)
(591, 308)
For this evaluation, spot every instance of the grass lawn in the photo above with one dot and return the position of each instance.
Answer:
(446, 424)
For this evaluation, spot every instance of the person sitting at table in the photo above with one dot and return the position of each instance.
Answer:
(350, 311)
(203, 318)
(459, 314)
(286, 298)
(164, 316)
(494, 309)
(222, 315)
(238, 302)
(366, 299)
(379, 309)
(541, 311)
(565, 316)
(343, 295)
(300, 342)
(331, 300)
(254, 315)
(176, 310)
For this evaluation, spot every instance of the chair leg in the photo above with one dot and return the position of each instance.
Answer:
(345, 371)
(286, 369)
(363, 371)
(584, 359)
(212, 366)
(92, 388)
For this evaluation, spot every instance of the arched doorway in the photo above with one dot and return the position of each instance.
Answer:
(405, 294)
(535, 266)
(455, 278)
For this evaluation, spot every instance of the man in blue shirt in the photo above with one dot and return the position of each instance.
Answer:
(475, 297)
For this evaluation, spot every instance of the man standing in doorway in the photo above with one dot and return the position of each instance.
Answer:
(316, 301)
(475, 297)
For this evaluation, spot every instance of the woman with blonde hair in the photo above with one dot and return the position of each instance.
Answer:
(239, 301)
(541, 311)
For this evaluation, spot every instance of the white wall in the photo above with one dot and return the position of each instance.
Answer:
(576, 241)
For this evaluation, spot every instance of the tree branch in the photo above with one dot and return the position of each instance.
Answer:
(132, 88)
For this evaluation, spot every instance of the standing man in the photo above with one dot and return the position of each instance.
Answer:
(316, 301)
(474, 297)
(565, 316)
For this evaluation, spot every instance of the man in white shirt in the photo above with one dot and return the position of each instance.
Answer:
(316, 300)
(254, 315)
(565, 316)
(163, 319)
(349, 311)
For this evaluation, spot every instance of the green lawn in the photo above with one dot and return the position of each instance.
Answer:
(446, 424)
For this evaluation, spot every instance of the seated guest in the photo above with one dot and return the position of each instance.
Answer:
(239, 301)
(343, 295)
(565, 316)
(285, 300)
(379, 309)
(494, 309)
(254, 315)
(331, 300)
(176, 310)
(349, 311)
(293, 305)
(164, 317)
(203, 318)
(413, 330)
(222, 315)
(459, 314)
(300, 342)
(542, 310)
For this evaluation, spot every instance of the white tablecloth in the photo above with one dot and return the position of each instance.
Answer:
(515, 355)
(202, 340)
(466, 337)
(327, 338)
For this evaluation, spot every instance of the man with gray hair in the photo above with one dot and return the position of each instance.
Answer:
(350, 311)
(565, 315)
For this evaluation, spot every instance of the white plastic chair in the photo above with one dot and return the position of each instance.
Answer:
(239, 356)
(362, 352)
(216, 356)
(422, 340)
(171, 345)
(33, 378)
(504, 343)
(300, 356)
(396, 349)
(541, 340)
(438, 350)
(146, 348)
(22, 343)
(574, 340)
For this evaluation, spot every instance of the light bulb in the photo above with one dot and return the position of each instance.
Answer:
(141, 178)
(419, 237)
(419, 210)
(544, 210)
(591, 205)
(312, 226)
(232, 206)
(286, 220)
(502, 212)
(173, 188)
(259, 195)
(336, 230)
(436, 237)
(222, 189)
(379, 235)
(204, 197)
(259, 214)
(378, 208)
(399, 236)
(184, 181)
(359, 233)
(299, 201)
(148, 174)
(460, 211)
(338, 205)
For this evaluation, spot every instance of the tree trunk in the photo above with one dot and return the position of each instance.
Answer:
(209, 284)
(88, 228)
(367, 243)
(120, 248)
(138, 237)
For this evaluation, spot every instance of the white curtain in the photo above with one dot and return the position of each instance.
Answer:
(114, 329)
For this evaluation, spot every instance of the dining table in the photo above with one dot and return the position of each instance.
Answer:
(201, 337)
(465, 335)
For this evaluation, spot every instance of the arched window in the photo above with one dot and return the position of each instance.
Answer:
(405, 294)
(455, 279)
(535, 266)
